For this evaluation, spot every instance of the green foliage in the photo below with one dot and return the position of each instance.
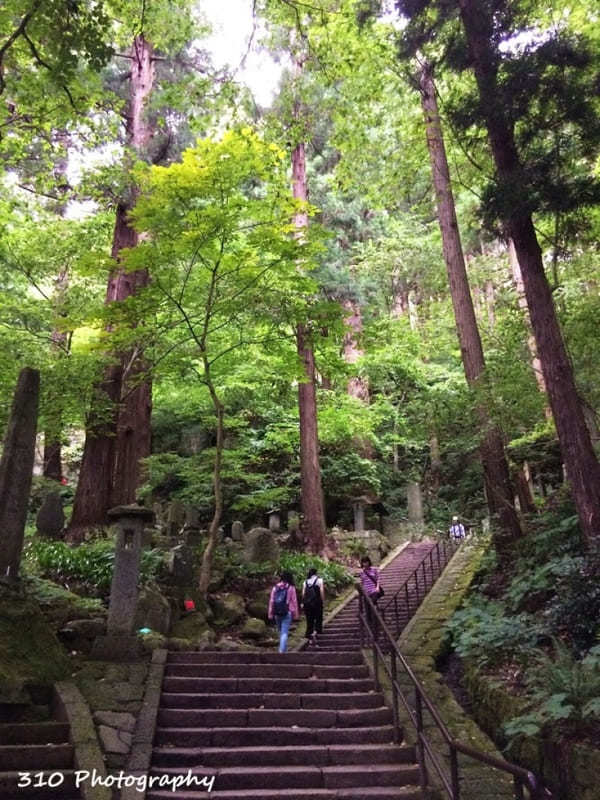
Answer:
(335, 576)
(91, 563)
(485, 634)
(563, 690)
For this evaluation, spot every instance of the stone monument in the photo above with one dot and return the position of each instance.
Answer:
(120, 642)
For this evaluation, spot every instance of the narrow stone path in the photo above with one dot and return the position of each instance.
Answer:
(293, 726)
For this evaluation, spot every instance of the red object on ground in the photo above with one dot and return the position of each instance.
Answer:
(189, 605)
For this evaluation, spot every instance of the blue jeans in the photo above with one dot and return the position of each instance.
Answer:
(283, 626)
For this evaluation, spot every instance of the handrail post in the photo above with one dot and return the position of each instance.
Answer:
(397, 615)
(424, 780)
(361, 612)
(454, 773)
(394, 666)
(375, 660)
(437, 549)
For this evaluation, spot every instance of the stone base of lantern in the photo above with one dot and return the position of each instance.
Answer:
(116, 648)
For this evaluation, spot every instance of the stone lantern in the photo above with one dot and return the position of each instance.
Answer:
(120, 642)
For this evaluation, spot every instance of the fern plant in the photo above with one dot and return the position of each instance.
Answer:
(563, 690)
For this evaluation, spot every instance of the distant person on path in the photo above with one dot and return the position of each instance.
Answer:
(313, 599)
(283, 607)
(457, 529)
(369, 579)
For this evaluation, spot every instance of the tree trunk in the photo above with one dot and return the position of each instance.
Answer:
(522, 300)
(495, 467)
(357, 386)
(213, 531)
(313, 512)
(436, 462)
(118, 433)
(580, 460)
(16, 471)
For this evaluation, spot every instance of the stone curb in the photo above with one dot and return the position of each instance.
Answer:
(421, 643)
(70, 706)
(140, 756)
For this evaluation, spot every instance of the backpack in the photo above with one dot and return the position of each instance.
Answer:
(312, 594)
(280, 603)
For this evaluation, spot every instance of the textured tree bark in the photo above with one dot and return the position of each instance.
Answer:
(213, 531)
(499, 491)
(579, 458)
(357, 386)
(118, 430)
(311, 491)
(16, 471)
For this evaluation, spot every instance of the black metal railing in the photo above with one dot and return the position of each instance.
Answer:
(386, 655)
(400, 607)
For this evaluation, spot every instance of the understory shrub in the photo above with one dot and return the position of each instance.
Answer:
(90, 563)
(562, 690)
(485, 634)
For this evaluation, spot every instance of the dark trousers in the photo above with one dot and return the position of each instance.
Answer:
(314, 620)
(370, 614)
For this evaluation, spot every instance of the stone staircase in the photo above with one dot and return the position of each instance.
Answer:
(268, 725)
(43, 750)
(292, 726)
(342, 633)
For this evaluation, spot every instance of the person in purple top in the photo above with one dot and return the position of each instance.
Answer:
(283, 607)
(369, 579)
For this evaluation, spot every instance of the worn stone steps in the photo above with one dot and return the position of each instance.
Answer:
(290, 726)
(270, 736)
(307, 777)
(35, 756)
(279, 671)
(264, 718)
(203, 685)
(337, 700)
(36, 747)
(335, 754)
(362, 793)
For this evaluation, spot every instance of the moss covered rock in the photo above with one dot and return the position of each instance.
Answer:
(60, 606)
(229, 609)
(190, 627)
(258, 606)
(29, 649)
(254, 629)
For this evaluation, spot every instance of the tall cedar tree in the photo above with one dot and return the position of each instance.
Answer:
(520, 189)
(495, 466)
(118, 428)
(311, 491)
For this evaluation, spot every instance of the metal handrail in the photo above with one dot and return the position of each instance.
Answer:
(442, 552)
(522, 778)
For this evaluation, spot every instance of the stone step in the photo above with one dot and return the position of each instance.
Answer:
(370, 793)
(292, 657)
(307, 777)
(35, 757)
(271, 700)
(241, 736)
(216, 757)
(11, 790)
(264, 718)
(34, 733)
(296, 671)
(269, 685)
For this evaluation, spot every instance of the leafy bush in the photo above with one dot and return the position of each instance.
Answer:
(335, 577)
(483, 633)
(90, 563)
(541, 578)
(563, 689)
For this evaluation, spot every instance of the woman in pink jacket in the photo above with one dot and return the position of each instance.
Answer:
(283, 607)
